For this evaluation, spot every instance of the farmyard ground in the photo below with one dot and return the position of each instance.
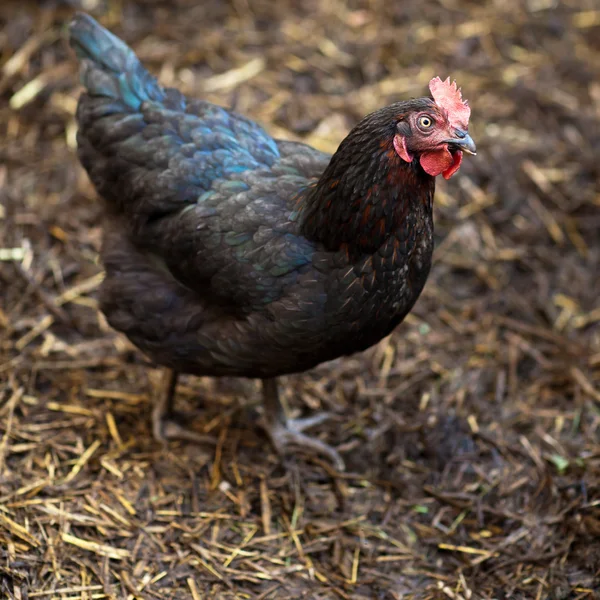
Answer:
(472, 435)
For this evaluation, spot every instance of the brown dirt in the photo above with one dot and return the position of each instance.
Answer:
(472, 435)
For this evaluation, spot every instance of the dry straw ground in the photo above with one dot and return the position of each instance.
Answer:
(471, 435)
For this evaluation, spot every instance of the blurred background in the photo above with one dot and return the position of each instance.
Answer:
(472, 434)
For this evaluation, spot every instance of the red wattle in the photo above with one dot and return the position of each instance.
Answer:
(456, 160)
(441, 162)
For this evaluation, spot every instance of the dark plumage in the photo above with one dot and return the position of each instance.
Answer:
(230, 253)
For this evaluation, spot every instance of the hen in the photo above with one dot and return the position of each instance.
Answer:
(230, 253)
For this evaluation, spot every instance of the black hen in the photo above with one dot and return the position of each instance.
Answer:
(228, 252)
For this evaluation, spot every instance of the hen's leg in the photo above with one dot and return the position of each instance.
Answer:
(164, 426)
(286, 432)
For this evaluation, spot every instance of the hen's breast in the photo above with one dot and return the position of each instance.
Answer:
(369, 298)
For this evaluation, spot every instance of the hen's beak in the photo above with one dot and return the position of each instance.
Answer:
(463, 141)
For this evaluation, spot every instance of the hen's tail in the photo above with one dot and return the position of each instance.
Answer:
(109, 68)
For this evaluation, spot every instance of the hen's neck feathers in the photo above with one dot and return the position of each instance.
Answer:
(367, 190)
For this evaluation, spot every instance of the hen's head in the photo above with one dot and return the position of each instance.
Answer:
(435, 131)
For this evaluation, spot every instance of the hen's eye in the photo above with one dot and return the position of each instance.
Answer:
(425, 122)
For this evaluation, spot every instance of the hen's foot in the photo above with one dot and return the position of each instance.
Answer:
(289, 434)
(285, 433)
(164, 427)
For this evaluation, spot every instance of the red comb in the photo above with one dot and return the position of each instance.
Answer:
(448, 97)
